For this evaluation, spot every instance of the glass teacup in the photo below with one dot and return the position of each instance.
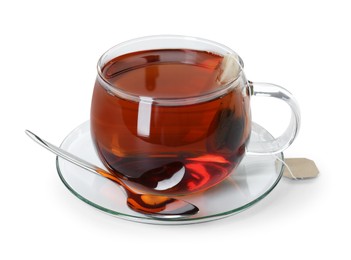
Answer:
(170, 115)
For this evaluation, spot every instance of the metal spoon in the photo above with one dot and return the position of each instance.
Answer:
(158, 206)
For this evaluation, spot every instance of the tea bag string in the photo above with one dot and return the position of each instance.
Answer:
(286, 166)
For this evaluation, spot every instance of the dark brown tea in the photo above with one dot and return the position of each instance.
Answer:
(165, 148)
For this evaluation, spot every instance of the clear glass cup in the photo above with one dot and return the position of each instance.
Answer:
(170, 115)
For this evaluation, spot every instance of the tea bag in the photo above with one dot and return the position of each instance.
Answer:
(229, 68)
(296, 168)
(300, 168)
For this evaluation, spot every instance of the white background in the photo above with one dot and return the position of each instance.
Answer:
(48, 55)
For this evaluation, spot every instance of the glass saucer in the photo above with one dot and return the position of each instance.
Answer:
(255, 177)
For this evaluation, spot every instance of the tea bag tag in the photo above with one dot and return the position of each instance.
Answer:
(300, 168)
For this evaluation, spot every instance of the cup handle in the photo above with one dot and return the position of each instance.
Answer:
(279, 144)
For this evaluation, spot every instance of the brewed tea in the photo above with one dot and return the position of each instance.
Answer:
(160, 148)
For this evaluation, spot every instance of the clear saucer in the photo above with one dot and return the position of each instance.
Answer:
(255, 177)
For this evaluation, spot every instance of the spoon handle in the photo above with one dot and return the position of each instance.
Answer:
(72, 158)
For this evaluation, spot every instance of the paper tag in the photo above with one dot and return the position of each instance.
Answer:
(301, 168)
